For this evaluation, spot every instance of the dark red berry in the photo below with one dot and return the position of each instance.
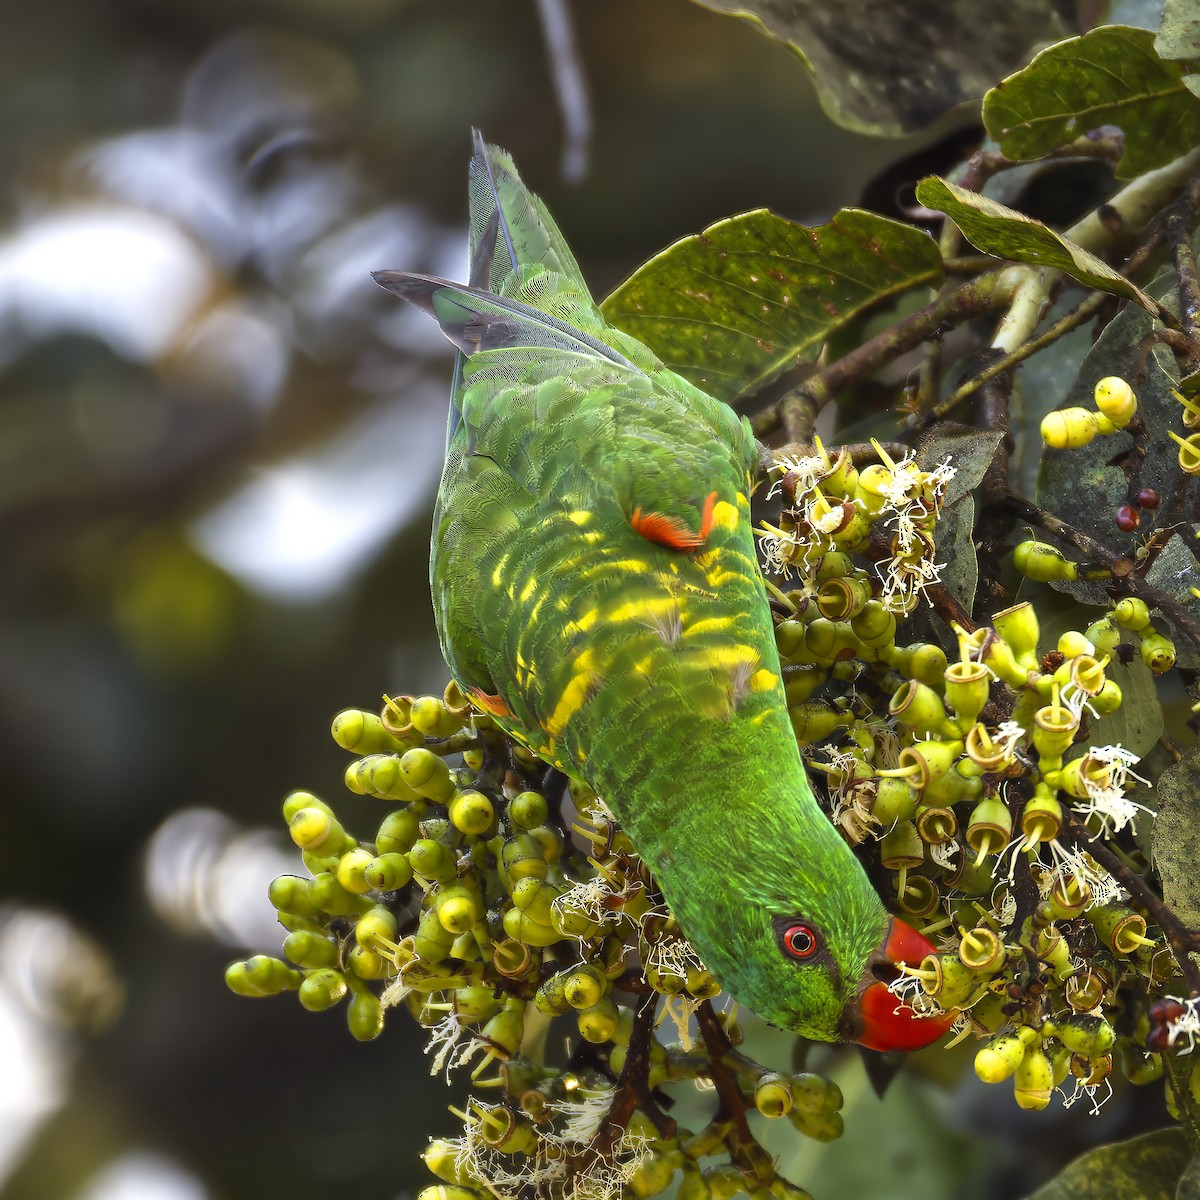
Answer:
(1158, 1039)
(1146, 498)
(1127, 518)
(1166, 1009)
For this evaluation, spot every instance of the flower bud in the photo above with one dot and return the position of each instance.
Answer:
(364, 733)
(506, 1028)
(999, 1058)
(351, 870)
(290, 894)
(398, 832)
(522, 856)
(322, 989)
(318, 832)
(1085, 1034)
(1131, 613)
(1107, 699)
(458, 908)
(874, 625)
(431, 860)
(1158, 653)
(894, 801)
(535, 898)
(293, 802)
(528, 809)
(598, 1023)
(521, 928)
(476, 1002)
(814, 722)
(773, 1095)
(430, 716)
(1069, 428)
(1033, 1082)
(1115, 399)
(388, 872)
(428, 774)
(471, 812)
(1042, 562)
(330, 897)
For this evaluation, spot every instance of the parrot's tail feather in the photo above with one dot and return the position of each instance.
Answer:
(502, 207)
(483, 247)
(475, 321)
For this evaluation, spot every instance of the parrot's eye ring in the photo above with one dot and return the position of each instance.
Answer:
(800, 940)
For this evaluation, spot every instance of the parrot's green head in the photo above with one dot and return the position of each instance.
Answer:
(801, 938)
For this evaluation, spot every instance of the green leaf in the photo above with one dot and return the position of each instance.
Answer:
(752, 296)
(868, 82)
(971, 452)
(1176, 830)
(1143, 1168)
(997, 229)
(1110, 76)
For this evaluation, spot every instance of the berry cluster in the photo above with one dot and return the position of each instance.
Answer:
(496, 897)
(489, 903)
(979, 785)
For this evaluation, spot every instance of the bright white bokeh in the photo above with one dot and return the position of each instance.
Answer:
(141, 1175)
(131, 279)
(301, 530)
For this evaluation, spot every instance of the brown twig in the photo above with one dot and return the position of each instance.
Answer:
(1184, 942)
(633, 1086)
(1129, 582)
(1072, 320)
(733, 1104)
(801, 405)
(1178, 226)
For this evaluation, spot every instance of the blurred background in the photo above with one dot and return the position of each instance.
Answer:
(219, 444)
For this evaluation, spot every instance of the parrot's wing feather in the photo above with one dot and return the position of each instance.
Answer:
(474, 320)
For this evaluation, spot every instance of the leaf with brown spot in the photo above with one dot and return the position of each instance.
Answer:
(734, 307)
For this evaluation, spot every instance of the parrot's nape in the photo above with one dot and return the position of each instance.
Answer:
(596, 589)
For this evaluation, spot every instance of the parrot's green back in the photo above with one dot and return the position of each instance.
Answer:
(595, 584)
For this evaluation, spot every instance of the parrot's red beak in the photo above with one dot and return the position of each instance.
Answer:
(881, 1021)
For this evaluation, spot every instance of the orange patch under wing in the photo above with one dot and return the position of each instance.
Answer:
(671, 531)
(490, 704)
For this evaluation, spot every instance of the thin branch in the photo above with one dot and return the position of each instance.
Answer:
(1184, 942)
(1179, 235)
(1131, 583)
(1072, 320)
(988, 291)
(633, 1087)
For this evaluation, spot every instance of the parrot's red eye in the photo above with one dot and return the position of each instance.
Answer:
(799, 941)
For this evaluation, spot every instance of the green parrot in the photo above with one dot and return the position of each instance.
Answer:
(596, 588)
